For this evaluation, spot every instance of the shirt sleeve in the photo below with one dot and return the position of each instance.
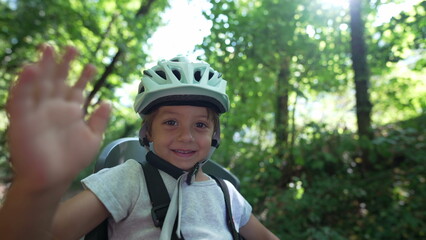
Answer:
(116, 188)
(241, 209)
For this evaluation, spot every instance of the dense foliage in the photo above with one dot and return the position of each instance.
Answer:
(324, 181)
(331, 196)
(291, 134)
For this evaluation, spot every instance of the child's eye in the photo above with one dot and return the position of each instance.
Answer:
(170, 122)
(201, 125)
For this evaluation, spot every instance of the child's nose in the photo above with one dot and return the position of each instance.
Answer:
(185, 134)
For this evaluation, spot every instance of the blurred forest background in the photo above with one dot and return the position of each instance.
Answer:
(328, 121)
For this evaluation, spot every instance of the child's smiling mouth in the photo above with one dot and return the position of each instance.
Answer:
(183, 153)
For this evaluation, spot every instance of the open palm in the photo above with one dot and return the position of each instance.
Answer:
(49, 139)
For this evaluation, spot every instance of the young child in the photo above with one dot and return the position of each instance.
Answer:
(50, 143)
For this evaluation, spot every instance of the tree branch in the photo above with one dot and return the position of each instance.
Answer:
(101, 81)
(144, 9)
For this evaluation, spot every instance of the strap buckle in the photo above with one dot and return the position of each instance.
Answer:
(158, 214)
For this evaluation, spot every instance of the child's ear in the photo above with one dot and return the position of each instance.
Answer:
(144, 136)
(148, 136)
(146, 140)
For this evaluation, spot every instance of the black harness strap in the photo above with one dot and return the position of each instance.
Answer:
(163, 165)
(229, 218)
(158, 194)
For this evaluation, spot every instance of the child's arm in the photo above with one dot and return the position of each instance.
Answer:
(255, 230)
(78, 216)
(49, 142)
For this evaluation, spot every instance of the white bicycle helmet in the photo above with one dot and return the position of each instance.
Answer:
(181, 82)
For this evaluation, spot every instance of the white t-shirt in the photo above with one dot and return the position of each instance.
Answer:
(123, 191)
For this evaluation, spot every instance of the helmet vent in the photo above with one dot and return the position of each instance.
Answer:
(197, 75)
(162, 74)
(211, 75)
(177, 74)
(147, 73)
(142, 89)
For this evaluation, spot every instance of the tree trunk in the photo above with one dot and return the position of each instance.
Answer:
(361, 71)
(282, 112)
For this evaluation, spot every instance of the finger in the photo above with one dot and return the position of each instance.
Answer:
(87, 74)
(60, 74)
(46, 67)
(76, 93)
(64, 66)
(22, 96)
(99, 118)
(47, 62)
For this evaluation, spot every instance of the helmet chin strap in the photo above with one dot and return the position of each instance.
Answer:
(193, 172)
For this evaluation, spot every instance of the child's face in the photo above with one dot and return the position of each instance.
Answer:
(182, 135)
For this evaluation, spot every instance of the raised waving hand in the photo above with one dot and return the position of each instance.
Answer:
(49, 139)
